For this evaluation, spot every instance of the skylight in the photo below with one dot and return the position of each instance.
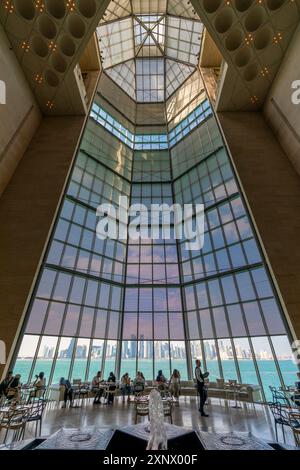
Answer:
(150, 47)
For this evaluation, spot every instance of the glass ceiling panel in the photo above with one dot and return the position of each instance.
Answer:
(183, 39)
(176, 74)
(182, 8)
(124, 75)
(116, 42)
(180, 103)
(116, 10)
(150, 33)
(145, 7)
(150, 80)
(140, 32)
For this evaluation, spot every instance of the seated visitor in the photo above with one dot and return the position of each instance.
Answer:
(125, 386)
(68, 393)
(175, 383)
(5, 383)
(14, 388)
(39, 385)
(139, 383)
(111, 379)
(161, 378)
(161, 382)
(97, 380)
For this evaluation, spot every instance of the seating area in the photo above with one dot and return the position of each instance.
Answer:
(23, 406)
(248, 393)
(286, 412)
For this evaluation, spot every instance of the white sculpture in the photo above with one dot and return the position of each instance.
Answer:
(158, 435)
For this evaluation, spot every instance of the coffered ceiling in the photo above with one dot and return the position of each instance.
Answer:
(48, 38)
(252, 36)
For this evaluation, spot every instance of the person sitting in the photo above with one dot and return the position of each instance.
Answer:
(68, 393)
(39, 386)
(139, 383)
(161, 382)
(175, 384)
(6, 383)
(125, 387)
(14, 388)
(96, 389)
(111, 380)
(160, 377)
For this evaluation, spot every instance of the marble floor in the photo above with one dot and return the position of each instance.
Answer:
(222, 418)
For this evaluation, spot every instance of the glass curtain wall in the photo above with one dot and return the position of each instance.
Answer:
(73, 324)
(149, 305)
(229, 300)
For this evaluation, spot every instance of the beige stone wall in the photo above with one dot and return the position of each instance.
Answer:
(272, 187)
(282, 115)
(27, 209)
(19, 117)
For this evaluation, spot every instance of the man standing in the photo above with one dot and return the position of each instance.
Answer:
(200, 387)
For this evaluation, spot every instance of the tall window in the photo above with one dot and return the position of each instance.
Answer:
(120, 306)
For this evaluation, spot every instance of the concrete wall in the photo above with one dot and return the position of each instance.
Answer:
(272, 187)
(27, 208)
(282, 115)
(19, 117)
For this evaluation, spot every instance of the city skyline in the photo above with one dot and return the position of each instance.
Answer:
(145, 349)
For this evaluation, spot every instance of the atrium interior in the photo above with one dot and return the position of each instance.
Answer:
(154, 102)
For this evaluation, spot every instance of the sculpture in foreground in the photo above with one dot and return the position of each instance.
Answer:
(158, 435)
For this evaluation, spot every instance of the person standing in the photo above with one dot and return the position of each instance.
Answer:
(200, 387)
(125, 387)
(112, 387)
(175, 384)
(68, 392)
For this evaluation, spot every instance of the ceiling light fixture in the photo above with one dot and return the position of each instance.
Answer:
(9, 6)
